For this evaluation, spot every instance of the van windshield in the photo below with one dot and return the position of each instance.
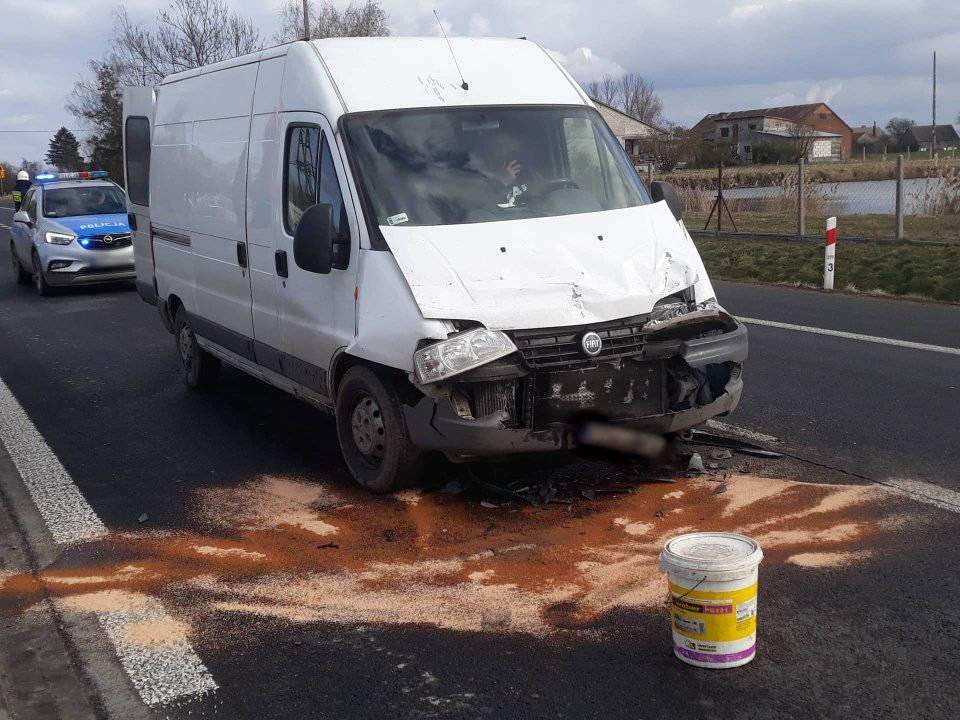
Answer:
(447, 167)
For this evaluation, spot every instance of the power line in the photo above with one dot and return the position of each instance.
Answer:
(45, 131)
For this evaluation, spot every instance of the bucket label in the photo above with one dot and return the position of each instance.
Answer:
(688, 625)
(714, 617)
(746, 610)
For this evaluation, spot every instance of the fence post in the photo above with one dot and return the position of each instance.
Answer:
(830, 253)
(801, 208)
(899, 197)
(719, 195)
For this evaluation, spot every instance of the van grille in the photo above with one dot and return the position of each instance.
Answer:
(559, 348)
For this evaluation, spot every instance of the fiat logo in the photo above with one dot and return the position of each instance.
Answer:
(591, 344)
(108, 239)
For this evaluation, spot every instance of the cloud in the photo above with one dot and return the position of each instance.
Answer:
(585, 65)
(742, 12)
(478, 26)
(823, 94)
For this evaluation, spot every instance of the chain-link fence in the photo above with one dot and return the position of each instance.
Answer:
(880, 200)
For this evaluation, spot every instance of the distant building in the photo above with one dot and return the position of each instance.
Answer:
(870, 138)
(630, 131)
(919, 138)
(824, 134)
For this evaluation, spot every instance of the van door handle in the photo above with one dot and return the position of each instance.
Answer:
(242, 254)
(280, 260)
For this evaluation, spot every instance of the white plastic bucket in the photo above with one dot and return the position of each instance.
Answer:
(713, 591)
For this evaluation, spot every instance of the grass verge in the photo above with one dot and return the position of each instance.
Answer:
(895, 269)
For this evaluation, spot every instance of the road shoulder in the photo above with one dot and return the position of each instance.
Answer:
(42, 673)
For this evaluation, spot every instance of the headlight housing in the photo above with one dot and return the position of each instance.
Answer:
(55, 238)
(460, 353)
(679, 312)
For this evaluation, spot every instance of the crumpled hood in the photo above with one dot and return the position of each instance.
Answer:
(547, 272)
(87, 225)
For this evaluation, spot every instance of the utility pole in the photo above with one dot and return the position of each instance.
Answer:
(933, 139)
(306, 20)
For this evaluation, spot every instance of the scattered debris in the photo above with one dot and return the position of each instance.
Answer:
(721, 488)
(696, 464)
(489, 505)
(330, 545)
(143, 518)
(721, 454)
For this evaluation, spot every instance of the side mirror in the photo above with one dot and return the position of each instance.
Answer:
(313, 241)
(21, 216)
(664, 191)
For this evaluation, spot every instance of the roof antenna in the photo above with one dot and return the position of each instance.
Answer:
(463, 83)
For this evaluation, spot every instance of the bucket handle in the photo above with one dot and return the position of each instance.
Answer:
(701, 582)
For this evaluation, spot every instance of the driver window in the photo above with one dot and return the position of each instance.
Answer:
(583, 157)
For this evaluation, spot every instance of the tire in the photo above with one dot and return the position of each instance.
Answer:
(373, 434)
(200, 368)
(20, 275)
(39, 279)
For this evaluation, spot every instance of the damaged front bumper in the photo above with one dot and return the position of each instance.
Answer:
(665, 385)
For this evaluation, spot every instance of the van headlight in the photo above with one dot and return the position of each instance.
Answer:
(672, 311)
(55, 238)
(460, 353)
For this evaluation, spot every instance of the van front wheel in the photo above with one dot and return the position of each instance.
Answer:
(373, 434)
(200, 368)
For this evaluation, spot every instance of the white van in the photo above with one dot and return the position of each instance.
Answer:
(463, 263)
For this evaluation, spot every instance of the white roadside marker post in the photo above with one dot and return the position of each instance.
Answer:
(830, 254)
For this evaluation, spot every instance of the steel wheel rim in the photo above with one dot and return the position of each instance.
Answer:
(366, 422)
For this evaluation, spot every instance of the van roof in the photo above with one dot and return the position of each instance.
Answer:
(406, 72)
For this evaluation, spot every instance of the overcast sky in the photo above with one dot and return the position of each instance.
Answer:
(869, 60)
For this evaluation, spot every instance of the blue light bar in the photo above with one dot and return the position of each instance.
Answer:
(85, 175)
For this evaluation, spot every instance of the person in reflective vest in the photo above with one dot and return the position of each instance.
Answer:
(20, 188)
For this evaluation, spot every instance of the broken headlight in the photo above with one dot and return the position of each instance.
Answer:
(677, 312)
(460, 353)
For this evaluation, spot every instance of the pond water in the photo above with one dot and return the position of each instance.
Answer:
(848, 198)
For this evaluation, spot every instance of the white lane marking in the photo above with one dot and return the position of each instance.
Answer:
(853, 336)
(151, 647)
(67, 514)
(742, 432)
(159, 673)
(5, 227)
(925, 492)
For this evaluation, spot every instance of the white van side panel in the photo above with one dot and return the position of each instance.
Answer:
(264, 201)
(200, 153)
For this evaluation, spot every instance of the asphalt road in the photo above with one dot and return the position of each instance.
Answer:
(878, 637)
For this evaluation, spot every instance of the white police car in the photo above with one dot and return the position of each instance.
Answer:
(72, 230)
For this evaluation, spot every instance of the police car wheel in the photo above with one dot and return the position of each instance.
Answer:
(19, 274)
(39, 279)
(373, 435)
(200, 368)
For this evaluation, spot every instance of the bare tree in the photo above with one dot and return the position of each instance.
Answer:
(898, 127)
(800, 139)
(187, 34)
(605, 90)
(631, 93)
(355, 20)
(669, 147)
(640, 100)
